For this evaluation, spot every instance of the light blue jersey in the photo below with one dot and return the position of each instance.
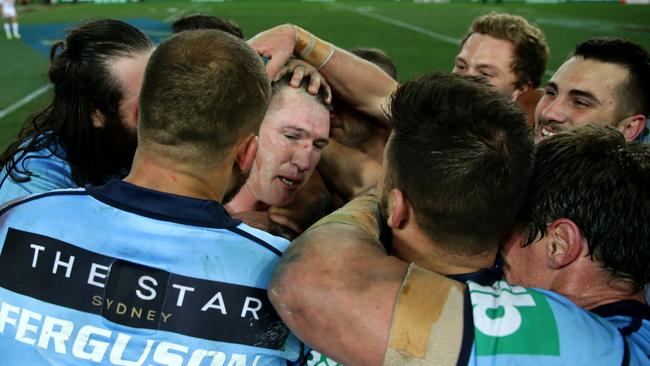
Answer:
(513, 325)
(48, 172)
(122, 275)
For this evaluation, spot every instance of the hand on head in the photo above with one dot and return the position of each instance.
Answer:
(301, 70)
(277, 44)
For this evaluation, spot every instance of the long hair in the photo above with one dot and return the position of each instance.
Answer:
(82, 80)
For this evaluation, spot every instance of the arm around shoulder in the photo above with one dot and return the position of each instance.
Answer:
(335, 288)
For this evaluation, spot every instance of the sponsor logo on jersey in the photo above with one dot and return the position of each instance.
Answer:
(316, 358)
(138, 296)
(512, 320)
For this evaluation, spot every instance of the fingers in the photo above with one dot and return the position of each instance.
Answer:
(285, 221)
(283, 71)
(298, 75)
(277, 44)
(276, 63)
(316, 82)
(302, 70)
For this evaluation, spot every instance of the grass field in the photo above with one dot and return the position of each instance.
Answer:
(418, 36)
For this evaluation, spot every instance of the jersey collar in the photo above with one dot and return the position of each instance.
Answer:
(162, 206)
(630, 308)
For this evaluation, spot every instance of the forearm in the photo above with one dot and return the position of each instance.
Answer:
(349, 171)
(360, 83)
(335, 287)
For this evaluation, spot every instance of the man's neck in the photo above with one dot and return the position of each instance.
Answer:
(164, 176)
(590, 287)
(428, 255)
(245, 200)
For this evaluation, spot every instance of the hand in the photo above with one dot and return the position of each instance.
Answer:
(276, 223)
(283, 224)
(276, 43)
(300, 70)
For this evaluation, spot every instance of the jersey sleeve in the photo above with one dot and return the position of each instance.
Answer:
(517, 325)
(48, 173)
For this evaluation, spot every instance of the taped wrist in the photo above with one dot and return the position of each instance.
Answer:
(362, 212)
(312, 49)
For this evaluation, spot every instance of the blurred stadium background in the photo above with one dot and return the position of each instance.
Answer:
(418, 35)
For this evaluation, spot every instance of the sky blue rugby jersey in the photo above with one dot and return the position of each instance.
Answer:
(513, 325)
(122, 275)
(485, 276)
(49, 172)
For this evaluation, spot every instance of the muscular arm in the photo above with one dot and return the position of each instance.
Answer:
(349, 171)
(335, 287)
(360, 83)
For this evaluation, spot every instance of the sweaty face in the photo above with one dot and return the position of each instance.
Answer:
(292, 135)
(490, 58)
(582, 91)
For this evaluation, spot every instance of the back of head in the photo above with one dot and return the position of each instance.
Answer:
(377, 57)
(204, 21)
(531, 51)
(634, 94)
(461, 153)
(82, 79)
(591, 176)
(202, 92)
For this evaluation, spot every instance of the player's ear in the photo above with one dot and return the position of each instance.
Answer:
(564, 243)
(632, 126)
(246, 153)
(398, 209)
(521, 90)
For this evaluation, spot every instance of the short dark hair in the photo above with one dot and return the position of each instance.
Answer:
(82, 79)
(204, 21)
(202, 91)
(284, 82)
(531, 51)
(461, 153)
(593, 177)
(377, 57)
(634, 94)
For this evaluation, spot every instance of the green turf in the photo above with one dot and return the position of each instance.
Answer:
(24, 70)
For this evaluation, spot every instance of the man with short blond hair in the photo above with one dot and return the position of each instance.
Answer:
(506, 50)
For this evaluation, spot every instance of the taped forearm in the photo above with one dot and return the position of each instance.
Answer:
(363, 213)
(312, 49)
(363, 85)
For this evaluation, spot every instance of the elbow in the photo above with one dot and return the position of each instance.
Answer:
(284, 291)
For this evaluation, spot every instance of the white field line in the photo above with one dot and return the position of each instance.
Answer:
(399, 23)
(172, 17)
(26, 99)
(36, 93)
